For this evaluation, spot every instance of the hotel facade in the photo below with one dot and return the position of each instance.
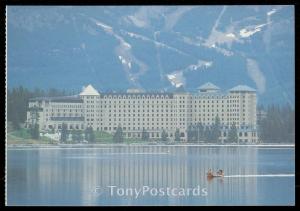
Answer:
(135, 110)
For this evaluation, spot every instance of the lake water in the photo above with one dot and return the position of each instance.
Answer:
(151, 175)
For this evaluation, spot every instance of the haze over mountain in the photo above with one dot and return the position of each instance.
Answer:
(153, 47)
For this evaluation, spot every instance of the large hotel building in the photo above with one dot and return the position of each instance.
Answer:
(135, 110)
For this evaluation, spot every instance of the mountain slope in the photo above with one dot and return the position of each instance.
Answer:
(155, 48)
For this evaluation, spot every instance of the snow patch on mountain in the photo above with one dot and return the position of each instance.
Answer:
(177, 78)
(251, 30)
(125, 55)
(271, 12)
(104, 26)
(124, 62)
(200, 64)
(231, 35)
(218, 38)
(156, 43)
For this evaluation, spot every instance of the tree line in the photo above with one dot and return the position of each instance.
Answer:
(17, 102)
(118, 136)
(210, 133)
(278, 125)
(77, 135)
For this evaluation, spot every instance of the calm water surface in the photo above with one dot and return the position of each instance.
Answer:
(85, 176)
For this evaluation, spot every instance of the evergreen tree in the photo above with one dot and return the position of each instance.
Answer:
(279, 125)
(92, 135)
(177, 135)
(64, 133)
(35, 132)
(190, 133)
(207, 134)
(10, 127)
(232, 134)
(164, 136)
(145, 135)
(74, 136)
(199, 132)
(216, 132)
(87, 134)
(15, 119)
(118, 136)
(80, 138)
(17, 101)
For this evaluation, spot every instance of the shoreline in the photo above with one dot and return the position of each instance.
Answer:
(64, 146)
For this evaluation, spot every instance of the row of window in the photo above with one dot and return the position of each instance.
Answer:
(69, 126)
(128, 121)
(213, 114)
(136, 97)
(65, 110)
(159, 106)
(92, 115)
(156, 119)
(222, 126)
(56, 105)
(64, 115)
(162, 102)
(221, 119)
(163, 111)
(138, 119)
(92, 97)
(217, 96)
(129, 106)
(132, 102)
(228, 110)
(143, 124)
(129, 115)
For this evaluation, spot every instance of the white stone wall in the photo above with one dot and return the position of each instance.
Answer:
(135, 112)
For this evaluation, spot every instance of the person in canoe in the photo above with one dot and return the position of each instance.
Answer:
(210, 173)
(220, 173)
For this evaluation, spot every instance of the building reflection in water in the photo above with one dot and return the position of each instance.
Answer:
(70, 176)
